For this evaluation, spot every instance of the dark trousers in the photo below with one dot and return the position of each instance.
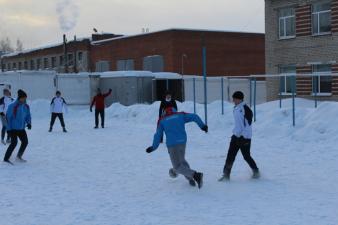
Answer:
(3, 133)
(237, 144)
(57, 115)
(15, 134)
(97, 113)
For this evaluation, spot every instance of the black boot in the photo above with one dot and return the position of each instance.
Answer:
(50, 129)
(64, 130)
(226, 176)
(198, 177)
(256, 174)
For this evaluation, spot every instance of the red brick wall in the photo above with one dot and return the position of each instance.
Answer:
(227, 53)
(304, 84)
(303, 20)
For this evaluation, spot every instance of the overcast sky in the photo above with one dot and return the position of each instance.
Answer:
(41, 22)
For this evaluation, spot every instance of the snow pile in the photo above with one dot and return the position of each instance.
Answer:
(104, 176)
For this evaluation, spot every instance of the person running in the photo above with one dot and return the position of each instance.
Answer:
(18, 117)
(172, 123)
(57, 105)
(98, 100)
(241, 138)
(5, 101)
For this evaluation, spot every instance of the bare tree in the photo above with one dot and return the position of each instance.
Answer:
(6, 46)
(19, 45)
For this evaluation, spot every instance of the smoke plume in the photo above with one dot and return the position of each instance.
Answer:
(68, 13)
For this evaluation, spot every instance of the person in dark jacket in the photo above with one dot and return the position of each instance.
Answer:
(168, 101)
(98, 100)
(18, 118)
(173, 124)
(241, 138)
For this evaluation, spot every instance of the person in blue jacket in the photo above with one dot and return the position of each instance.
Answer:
(172, 123)
(18, 117)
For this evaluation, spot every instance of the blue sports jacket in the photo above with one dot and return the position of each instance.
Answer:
(18, 116)
(174, 128)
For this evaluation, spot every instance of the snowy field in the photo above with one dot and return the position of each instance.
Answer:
(104, 177)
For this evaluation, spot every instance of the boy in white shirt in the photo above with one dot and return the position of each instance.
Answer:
(57, 105)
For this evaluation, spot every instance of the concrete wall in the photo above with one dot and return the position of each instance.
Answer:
(214, 87)
(42, 85)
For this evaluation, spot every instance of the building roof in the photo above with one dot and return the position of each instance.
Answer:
(172, 29)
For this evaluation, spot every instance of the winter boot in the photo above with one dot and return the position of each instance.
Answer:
(50, 129)
(20, 159)
(198, 177)
(192, 183)
(96, 127)
(256, 174)
(225, 177)
(172, 173)
(9, 162)
(64, 130)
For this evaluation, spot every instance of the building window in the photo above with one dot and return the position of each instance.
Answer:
(80, 56)
(45, 63)
(38, 64)
(53, 62)
(20, 66)
(25, 65)
(286, 81)
(70, 60)
(14, 66)
(322, 83)
(8, 66)
(125, 65)
(287, 23)
(321, 18)
(153, 63)
(32, 65)
(62, 63)
(3, 66)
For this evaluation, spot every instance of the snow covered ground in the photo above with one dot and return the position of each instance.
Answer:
(99, 177)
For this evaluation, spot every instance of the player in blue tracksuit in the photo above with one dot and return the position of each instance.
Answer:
(18, 117)
(172, 124)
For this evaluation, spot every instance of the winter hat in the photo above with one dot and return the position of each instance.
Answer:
(21, 94)
(58, 93)
(238, 95)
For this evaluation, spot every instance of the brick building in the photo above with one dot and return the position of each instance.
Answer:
(302, 38)
(173, 50)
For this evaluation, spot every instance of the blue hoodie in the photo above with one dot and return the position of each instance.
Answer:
(174, 128)
(18, 116)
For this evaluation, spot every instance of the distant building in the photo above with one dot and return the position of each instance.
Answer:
(302, 38)
(172, 50)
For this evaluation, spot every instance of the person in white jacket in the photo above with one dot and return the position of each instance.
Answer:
(57, 106)
(241, 138)
(5, 101)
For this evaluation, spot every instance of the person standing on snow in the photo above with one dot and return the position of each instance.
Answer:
(98, 100)
(5, 101)
(168, 101)
(241, 138)
(18, 118)
(172, 124)
(57, 105)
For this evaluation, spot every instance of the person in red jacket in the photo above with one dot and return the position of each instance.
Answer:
(98, 100)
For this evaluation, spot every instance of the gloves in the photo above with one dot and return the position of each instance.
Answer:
(2, 114)
(205, 129)
(29, 126)
(91, 109)
(149, 149)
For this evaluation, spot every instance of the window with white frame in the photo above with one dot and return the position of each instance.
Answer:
(286, 81)
(321, 18)
(322, 83)
(287, 23)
